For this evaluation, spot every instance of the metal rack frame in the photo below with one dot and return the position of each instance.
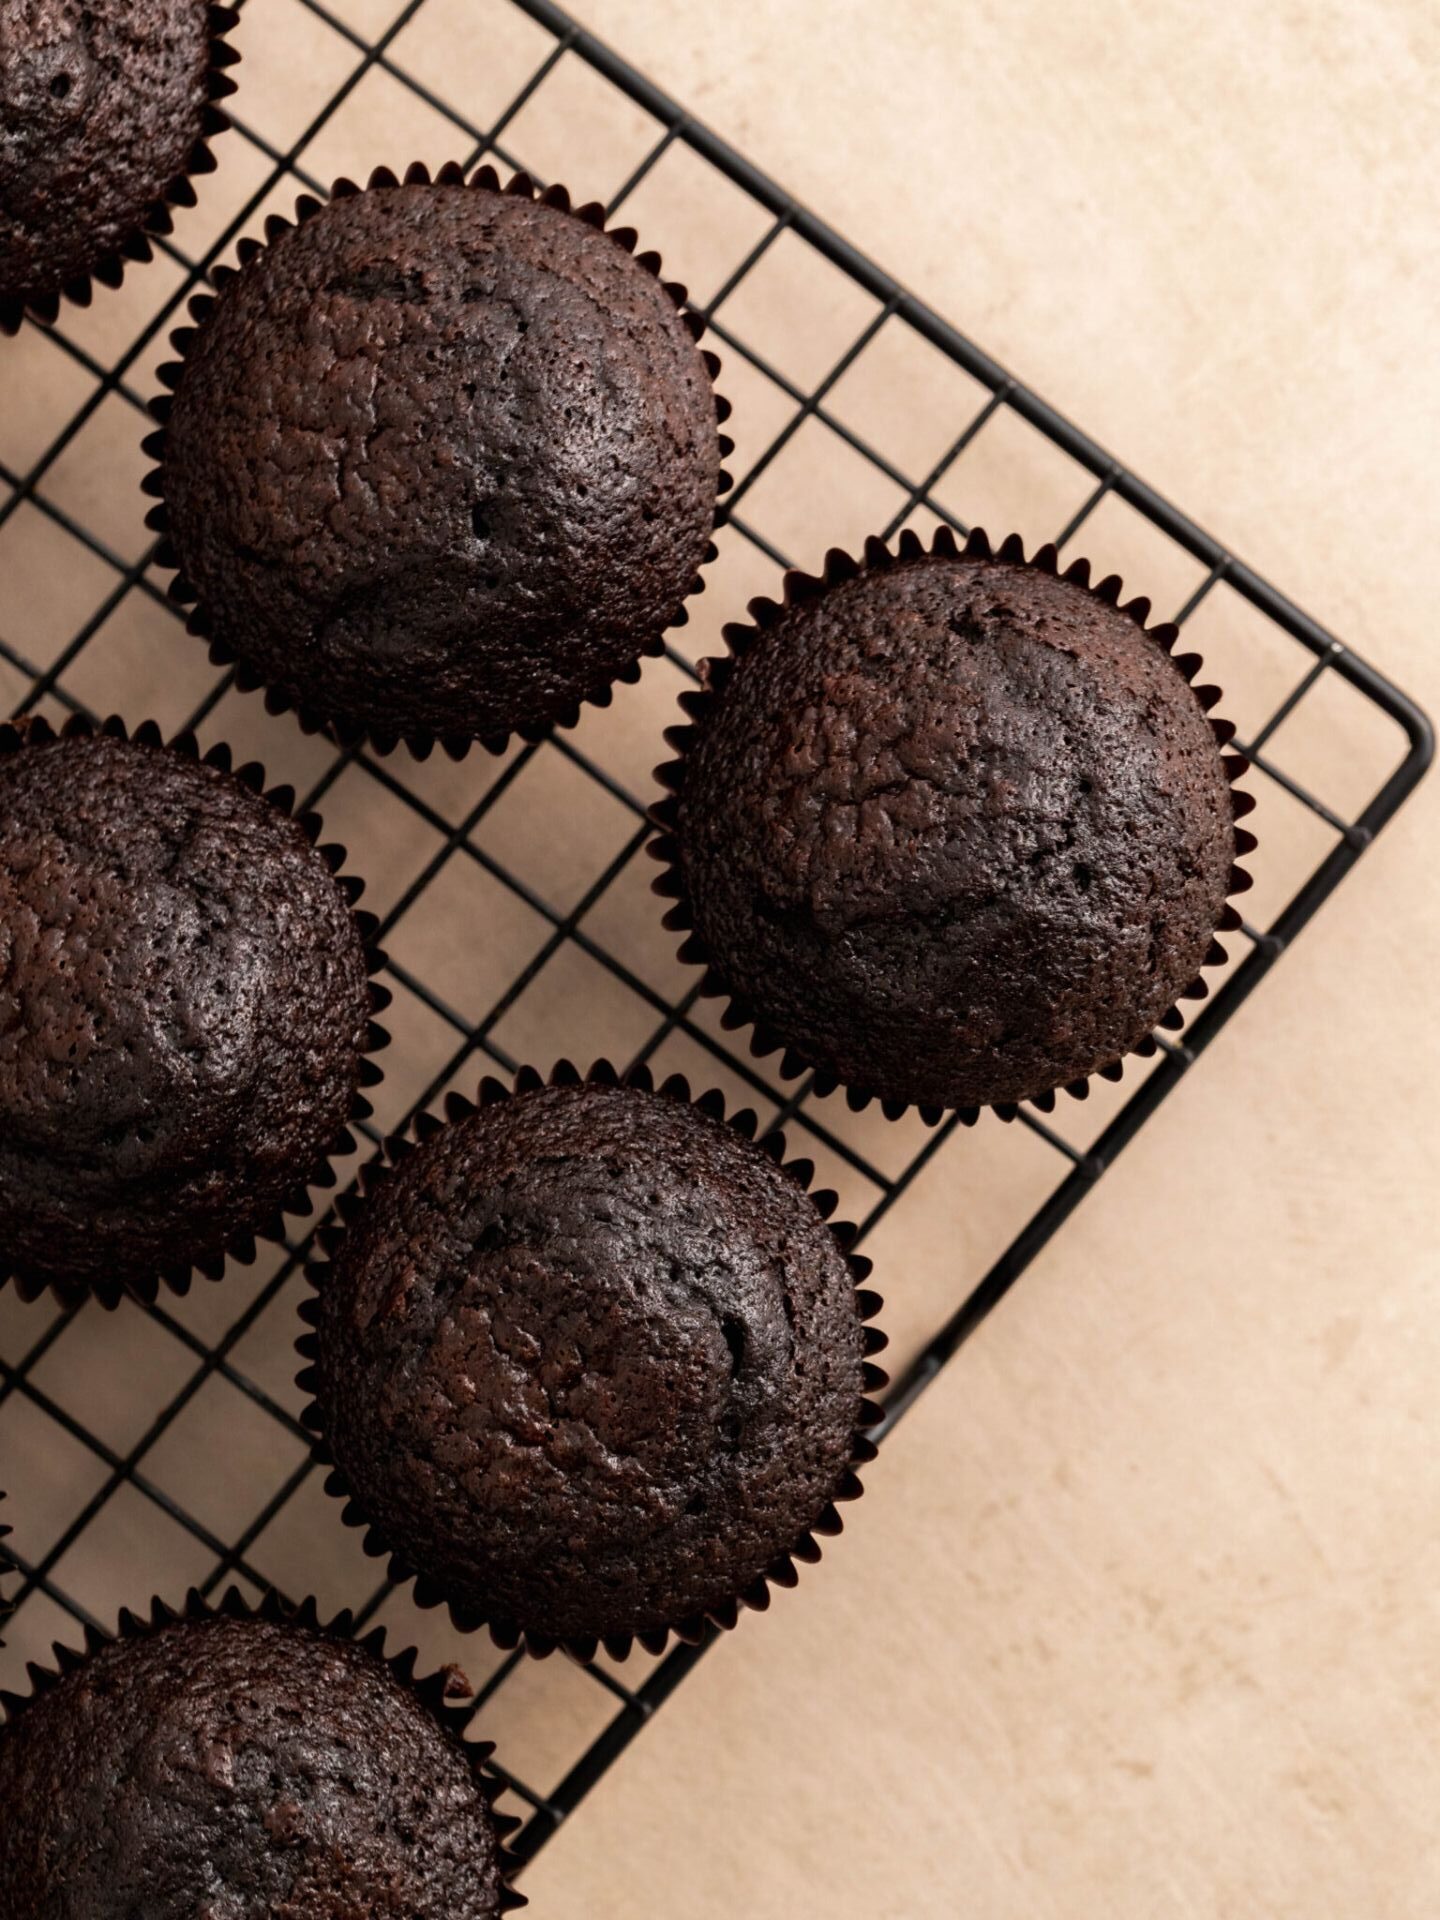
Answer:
(1077, 1171)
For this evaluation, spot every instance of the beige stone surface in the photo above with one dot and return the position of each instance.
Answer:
(1139, 1617)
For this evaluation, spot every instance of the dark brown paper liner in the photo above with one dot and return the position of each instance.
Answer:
(200, 619)
(783, 1572)
(434, 1691)
(715, 673)
(15, 737)
(135, 247)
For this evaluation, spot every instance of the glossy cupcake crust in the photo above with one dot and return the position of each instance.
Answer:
(954, 830)
(101, 109)
(183, 1010)
(236, 1767)
(442, 461)
(590, 1362)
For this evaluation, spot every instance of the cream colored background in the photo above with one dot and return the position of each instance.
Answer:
(1140, 1615)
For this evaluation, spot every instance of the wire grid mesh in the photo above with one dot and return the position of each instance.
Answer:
(161, 1447)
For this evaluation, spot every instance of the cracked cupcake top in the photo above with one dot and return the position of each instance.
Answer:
(100, 105)
(590, 1361)
(244, 1770)
(442, 459)
(183, 1002)
(955, 831)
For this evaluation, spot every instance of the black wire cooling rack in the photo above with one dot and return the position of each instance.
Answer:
(171, 1477)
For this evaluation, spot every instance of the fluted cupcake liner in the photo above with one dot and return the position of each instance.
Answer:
(200, 619)
(35, 730)
(715, 673)
(157, 219)
(434, 1691)
(784, 1570)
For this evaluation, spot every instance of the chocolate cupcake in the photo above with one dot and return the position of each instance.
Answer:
(441, 461)
(590, 1363)
(106, 111)
(953, 830)
(246, 1765)
(184, 1010)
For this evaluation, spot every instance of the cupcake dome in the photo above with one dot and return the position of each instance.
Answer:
(953, 830)
(442, 461)
(248, 1767)
(104, 109)
(591, 1363)
(183, 1010)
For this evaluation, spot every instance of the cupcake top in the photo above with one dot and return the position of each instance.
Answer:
(590, 1362)
(954, 830)
(240, 1767)
(442, 461)
(183, 1007)
(100, 107)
